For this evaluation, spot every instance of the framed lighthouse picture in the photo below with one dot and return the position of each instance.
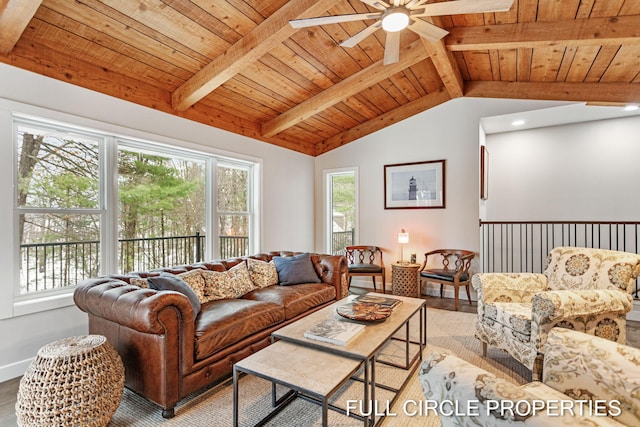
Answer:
(417, 185)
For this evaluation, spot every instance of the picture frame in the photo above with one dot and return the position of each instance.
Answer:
(417, 185)
(484, 173)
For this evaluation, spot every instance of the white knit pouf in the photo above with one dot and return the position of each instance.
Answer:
(75, 381)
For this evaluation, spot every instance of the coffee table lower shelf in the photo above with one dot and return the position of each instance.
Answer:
(316, 380)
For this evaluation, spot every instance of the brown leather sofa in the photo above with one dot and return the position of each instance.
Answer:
(168, 354)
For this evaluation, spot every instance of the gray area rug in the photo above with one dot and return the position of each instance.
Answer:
(446, 330)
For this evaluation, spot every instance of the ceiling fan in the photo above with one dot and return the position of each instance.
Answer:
(394, 16)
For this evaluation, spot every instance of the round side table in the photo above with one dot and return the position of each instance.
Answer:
(75, 381)
(404, 279)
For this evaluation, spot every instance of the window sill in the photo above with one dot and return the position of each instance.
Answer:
(22, 308)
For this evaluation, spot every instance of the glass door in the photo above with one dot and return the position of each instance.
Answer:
(341, 209)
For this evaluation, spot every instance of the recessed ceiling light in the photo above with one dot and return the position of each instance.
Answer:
(517, 122)
(632, 107)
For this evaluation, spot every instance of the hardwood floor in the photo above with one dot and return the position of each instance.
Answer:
(8, 394)
(9, 389)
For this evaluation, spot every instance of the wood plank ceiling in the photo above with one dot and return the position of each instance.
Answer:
(239, 66)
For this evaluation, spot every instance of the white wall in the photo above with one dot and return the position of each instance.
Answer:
(449, 131)
(287, 185)
(579, 172)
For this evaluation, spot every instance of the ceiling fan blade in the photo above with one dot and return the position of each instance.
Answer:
(358, 37)
(458, 7)
(392, 48)
(322, 20)
(427, 30)
(414, 3)
(378, 4)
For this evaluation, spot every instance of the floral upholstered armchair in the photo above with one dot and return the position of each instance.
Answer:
(587, 381)
(588, 290)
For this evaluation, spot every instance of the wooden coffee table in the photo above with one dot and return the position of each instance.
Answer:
(287, 360)
(308, 373)
(366, 347)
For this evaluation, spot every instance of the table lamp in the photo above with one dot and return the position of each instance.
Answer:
(403, 237)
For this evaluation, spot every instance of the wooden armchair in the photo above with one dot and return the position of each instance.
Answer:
(365, 261)
(453, 269)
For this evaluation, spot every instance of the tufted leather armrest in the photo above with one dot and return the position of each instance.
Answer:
(130, 306)
(331, 269)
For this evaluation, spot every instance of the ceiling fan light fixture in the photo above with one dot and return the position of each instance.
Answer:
(395, 19)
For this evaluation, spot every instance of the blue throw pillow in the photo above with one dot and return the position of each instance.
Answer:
(171, 282)
(294, 270)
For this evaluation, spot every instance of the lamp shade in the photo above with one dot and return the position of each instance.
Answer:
(403, 236)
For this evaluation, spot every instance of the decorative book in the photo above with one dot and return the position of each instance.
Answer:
(334, 331)
(383, 302)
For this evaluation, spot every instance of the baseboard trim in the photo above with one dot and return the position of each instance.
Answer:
(14, 370)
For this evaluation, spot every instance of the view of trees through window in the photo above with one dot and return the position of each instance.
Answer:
(233, 209)
(162, 215)
(161, 211)
(59, 223)
(343, 206)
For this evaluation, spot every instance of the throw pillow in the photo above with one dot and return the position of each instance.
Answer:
(229, 284)
(295, 269)
(171, 282)
(196, 282)
(262, 273)
(139, 282)
(240, 279)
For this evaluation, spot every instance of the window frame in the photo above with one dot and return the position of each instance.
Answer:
(249, 213)
(18, 304)
(328, 204)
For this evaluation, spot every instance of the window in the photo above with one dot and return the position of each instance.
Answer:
(233, 209)
(89, 203)
(341, 209)
(162, 209)
(59, 201)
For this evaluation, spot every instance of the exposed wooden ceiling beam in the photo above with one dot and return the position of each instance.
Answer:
(14, 18)
(405, 111)
(581, 32)
(48, 62)
(272, 31)
(445, 63)
(556, 91)
(342, 90)
(446, 66)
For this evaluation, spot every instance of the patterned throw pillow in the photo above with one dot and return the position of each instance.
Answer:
(139, 282)
(240, 279)
(232, 283)
(196, 281)
(262, 273)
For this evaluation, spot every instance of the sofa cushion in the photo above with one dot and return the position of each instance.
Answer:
(296, 269)
(295, 299)
(514, 316)
(171, 282)
(262, 273)
(224, 322)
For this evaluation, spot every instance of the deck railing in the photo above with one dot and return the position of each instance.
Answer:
(340, 240)
(48, 266)
(522, 246)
